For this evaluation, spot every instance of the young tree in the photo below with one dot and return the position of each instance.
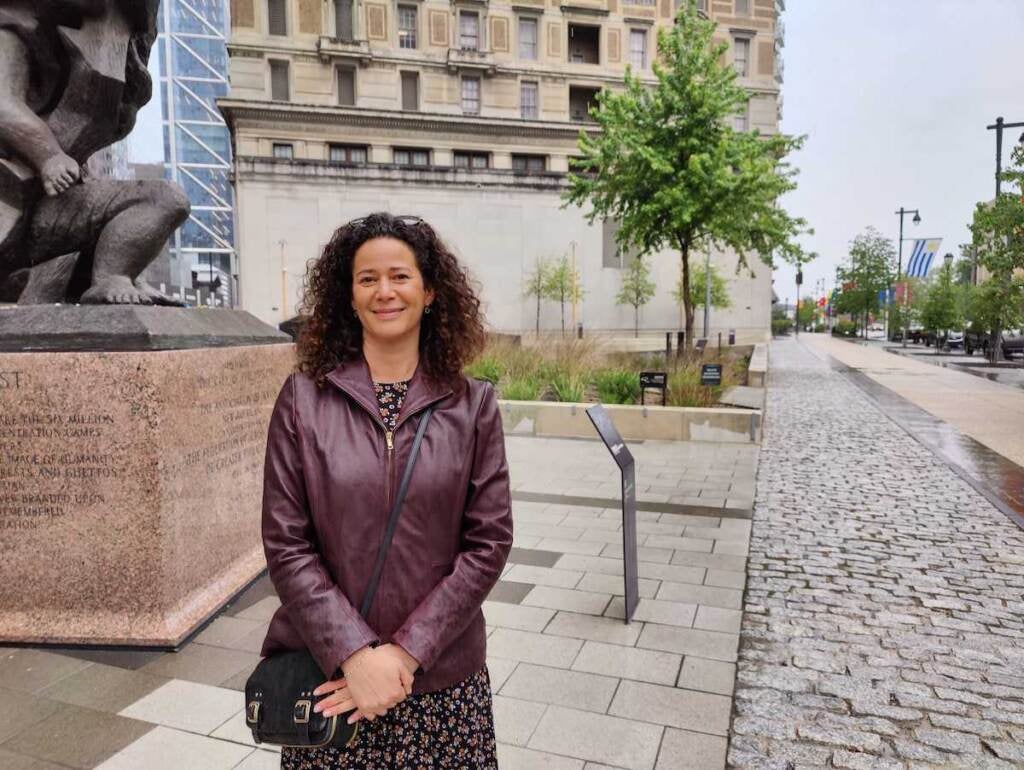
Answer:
(698, 288)
(998, 234)
(535, 284)
(806, 312)
(637, 289)
(942, 307)
(668, 165)
(872, 258)
(563, 285)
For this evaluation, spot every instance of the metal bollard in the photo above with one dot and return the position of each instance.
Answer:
(668, 344)
(680, 343)
(719, 342)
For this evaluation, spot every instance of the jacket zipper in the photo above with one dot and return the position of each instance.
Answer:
(389, 440)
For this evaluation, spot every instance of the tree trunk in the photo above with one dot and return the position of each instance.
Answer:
(538, 314)
(688, 309)
(636, 321)
(563, 315)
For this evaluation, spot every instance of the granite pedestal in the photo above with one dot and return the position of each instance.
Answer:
(130, 480)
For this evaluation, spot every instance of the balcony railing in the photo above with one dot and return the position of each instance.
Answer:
(335, 48)
(470, 59)
(780, 33)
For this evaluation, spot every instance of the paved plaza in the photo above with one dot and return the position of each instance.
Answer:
(884, 613)
(575, 687)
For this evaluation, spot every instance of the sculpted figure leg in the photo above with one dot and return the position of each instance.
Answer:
(128, 222)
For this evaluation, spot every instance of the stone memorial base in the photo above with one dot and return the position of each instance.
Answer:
(131, 481)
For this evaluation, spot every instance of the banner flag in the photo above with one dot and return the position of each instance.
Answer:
(921, 257)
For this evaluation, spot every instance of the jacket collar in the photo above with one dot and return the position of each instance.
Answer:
(353, 377)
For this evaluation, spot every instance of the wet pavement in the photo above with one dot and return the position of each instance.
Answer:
(1006, 373)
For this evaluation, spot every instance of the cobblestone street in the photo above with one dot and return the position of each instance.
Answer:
(884, 614)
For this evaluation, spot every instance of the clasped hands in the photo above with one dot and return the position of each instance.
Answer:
(375, 680)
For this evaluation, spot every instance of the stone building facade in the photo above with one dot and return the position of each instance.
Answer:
(466, 113)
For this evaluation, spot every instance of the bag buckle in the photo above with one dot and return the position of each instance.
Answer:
(252, 712)
(302, 711)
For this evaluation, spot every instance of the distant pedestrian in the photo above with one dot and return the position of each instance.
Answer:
(391, 320)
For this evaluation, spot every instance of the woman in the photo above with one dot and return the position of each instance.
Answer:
(391, 323)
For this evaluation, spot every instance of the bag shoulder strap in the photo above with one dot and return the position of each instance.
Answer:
(382, 552)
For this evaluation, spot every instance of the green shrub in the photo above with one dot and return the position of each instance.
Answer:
(781, 326)
(522, 389)
(617, 386)
(567, 387)
(844, 329)
(486, 368)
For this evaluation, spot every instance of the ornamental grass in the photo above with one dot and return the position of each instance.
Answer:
(581, 371)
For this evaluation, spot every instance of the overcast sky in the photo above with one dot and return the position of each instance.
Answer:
(894, 97)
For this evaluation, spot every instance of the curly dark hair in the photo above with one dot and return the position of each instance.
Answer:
(451, 335)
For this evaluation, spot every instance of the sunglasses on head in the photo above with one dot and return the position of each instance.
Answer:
(405, 219)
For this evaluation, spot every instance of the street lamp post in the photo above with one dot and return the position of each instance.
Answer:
(796, 313)
(899, 265)
(998, 127)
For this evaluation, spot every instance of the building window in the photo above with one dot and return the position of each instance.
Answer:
(347, 86)
(277, 17)
(410, 90)
(284, 150)
(280, 89)
(528, 100)
(742, 7)
(527, 38)
(469, 31)
(638, 48)
(343, 27)
(346, 153)
(412, 156)
(741, 122)
(584, 47)
(642, 2)
(407, 26)
(471, 96)
(463, 159)
(581, 99)
(741, 56)
(530, 163)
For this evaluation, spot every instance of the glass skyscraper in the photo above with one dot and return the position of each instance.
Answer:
(197, 144)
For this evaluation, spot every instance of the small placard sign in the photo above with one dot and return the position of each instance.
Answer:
(653, 379)
(711, 374)
(656, 380)
(624, 459)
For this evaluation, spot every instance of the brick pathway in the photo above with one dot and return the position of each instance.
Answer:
(884, 614)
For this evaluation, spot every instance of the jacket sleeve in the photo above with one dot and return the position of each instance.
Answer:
(323, 616)
(486, 540)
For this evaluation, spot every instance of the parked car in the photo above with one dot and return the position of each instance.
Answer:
(954, 340)
(1013, 344)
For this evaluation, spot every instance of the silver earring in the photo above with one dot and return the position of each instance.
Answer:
(355, 313)
(426, 310)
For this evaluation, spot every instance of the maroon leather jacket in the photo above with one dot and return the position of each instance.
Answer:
(330, 475)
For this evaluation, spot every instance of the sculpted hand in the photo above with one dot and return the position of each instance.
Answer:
(376, 682)
(58, 173)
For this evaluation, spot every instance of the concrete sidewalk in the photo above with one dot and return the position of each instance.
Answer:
(574, 686)
(989, 412)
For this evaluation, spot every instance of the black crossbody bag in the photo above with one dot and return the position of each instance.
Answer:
(279, 696)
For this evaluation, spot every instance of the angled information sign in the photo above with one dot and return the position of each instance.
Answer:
(624, 459)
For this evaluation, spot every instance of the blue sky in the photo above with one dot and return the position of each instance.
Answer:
(894, 97)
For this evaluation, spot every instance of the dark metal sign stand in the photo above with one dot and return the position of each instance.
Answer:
(624, 459)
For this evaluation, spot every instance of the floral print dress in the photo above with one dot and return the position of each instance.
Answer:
(450, 729)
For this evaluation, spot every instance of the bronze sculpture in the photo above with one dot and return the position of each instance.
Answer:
(72, 78)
